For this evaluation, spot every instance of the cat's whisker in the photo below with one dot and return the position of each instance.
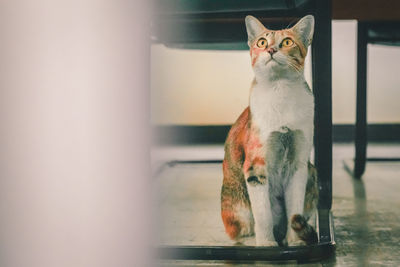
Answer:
(295, 67)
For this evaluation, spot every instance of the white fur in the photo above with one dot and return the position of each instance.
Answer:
(274, 105)
(283, 103)
(261, 208)
(244, 215)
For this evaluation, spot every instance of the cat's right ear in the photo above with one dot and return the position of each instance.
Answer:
(254, 28)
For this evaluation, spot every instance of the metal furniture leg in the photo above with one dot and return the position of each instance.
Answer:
(322, 87)
(361, 112)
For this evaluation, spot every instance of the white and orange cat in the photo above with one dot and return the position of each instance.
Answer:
(270, 187)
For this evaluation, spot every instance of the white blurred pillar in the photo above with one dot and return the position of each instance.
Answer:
(73, 133)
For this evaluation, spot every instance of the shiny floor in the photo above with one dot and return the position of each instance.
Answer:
(366, 212)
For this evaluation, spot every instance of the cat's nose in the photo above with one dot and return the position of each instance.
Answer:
(271, 50)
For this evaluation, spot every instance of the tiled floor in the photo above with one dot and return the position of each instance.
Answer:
(366, 213)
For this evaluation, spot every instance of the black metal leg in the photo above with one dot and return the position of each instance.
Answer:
(361, 112)
(322, 87)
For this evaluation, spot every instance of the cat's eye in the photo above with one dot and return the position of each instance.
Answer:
(262, 43)
(287, 42)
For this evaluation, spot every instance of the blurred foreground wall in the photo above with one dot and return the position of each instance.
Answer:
(73, 117)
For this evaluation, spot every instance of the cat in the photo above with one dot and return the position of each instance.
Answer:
(270, 187)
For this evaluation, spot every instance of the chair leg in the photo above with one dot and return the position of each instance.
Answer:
(361, 112)
(322, 87)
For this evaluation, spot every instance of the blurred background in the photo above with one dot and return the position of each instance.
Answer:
(210, 87)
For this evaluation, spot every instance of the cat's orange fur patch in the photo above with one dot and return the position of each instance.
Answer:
(232, 225)
(239, 135)
(258, 161)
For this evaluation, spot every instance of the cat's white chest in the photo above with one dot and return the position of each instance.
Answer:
(278, 105)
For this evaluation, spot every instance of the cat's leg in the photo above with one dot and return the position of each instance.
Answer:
(261, 208)
(295, 191)
(305, 225)
(235, 204)
(258, 190)
(294, 200)
(238, 221)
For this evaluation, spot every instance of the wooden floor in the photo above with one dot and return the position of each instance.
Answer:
(366, 212)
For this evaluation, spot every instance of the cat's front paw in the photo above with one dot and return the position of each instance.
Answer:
(266, 243)
(256, 180)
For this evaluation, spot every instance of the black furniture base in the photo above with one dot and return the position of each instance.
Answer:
(317, 252)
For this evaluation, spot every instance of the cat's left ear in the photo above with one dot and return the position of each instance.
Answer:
(305, 29)
(254, 28)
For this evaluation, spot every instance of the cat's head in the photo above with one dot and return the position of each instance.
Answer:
(279, 53)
